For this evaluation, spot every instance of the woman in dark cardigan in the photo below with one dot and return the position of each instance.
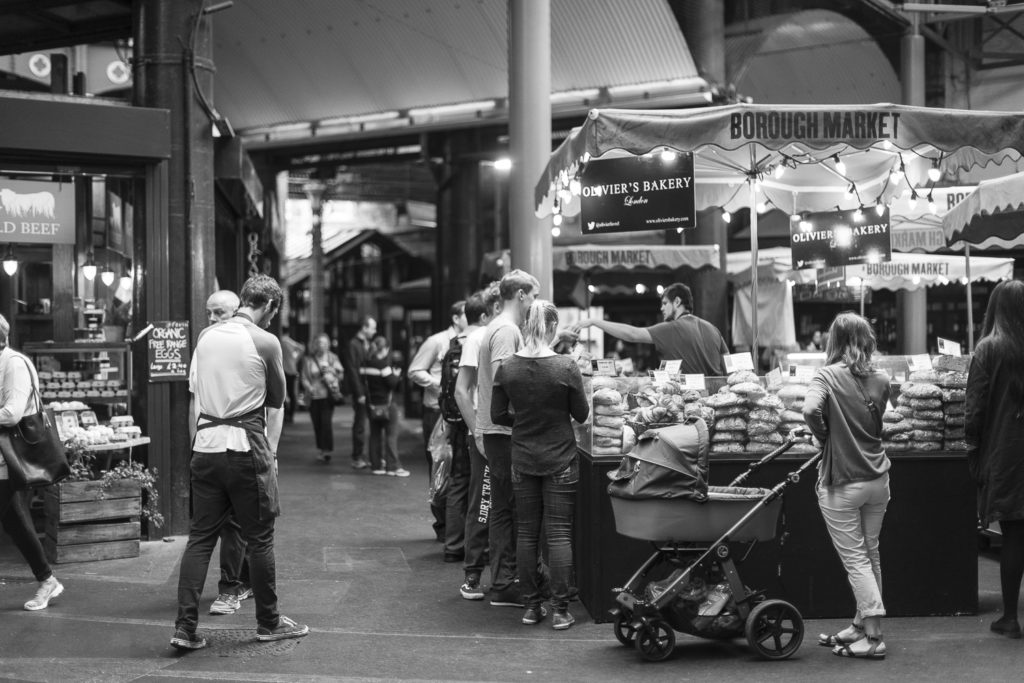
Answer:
(995, 438)
(536, 392)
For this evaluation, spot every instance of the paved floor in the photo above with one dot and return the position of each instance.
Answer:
(357, 561)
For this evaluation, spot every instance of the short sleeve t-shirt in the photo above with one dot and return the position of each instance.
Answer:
(692, 340)
(236, 368)
(471, 352)
(500, 341)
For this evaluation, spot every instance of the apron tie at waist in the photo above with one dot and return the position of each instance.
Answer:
(253, 420)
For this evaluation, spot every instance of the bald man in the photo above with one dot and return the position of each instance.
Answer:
(221, 305)
(233, 586)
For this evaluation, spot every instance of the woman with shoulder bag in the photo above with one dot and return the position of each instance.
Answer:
(321, 381)
(381, 380)
(994, 431)
(17, 399)
(843, 410)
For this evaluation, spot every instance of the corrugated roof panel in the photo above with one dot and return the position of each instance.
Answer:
(807, 58)
(279, 62)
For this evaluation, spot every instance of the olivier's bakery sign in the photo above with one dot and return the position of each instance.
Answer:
(652, 192)
(34, 211)
(841, 238)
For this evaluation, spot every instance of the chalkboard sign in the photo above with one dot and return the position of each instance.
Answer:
(168, 351)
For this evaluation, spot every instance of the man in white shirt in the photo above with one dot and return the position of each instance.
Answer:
(237, 384)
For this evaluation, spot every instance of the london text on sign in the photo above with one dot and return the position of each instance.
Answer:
(653, 192)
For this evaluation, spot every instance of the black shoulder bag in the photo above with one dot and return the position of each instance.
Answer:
(32, 448)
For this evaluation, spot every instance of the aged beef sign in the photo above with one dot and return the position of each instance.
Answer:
(841, 238)
(652, 192)
(37, 212)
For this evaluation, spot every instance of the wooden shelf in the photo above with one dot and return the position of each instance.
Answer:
(73, 347)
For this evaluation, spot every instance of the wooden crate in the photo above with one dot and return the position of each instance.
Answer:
(86, 522)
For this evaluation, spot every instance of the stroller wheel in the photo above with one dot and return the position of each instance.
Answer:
(655, 641)
(625, 632)
(775, 629)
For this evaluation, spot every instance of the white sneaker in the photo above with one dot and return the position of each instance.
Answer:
(48, 590)
(400, 472)
(225, 604)
(380, 471)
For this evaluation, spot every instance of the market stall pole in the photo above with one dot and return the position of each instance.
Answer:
(989, 217)
(801, 157)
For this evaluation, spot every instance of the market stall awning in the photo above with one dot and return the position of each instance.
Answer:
(913, 271)
(990, 217)
(822, 150)
(587, 258)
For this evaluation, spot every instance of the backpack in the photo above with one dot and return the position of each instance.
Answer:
(449, 373)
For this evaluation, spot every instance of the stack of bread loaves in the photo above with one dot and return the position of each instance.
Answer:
(611, 436)
(921, 396)
(952, 378)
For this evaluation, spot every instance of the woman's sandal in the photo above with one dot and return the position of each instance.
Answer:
(836, 640)
(871, 653)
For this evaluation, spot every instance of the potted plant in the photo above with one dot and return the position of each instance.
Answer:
(95, 514)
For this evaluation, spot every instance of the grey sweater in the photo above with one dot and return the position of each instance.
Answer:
(837, 413)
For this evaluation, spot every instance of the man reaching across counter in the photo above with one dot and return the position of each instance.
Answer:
(682, 336)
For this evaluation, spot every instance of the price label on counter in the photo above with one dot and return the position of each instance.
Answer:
(738, 361)
(949, 348)
(774, 377)
(627, 366)
(673, 367)
(921, 361)
(695, 382)
(660, 377)
(604, 367)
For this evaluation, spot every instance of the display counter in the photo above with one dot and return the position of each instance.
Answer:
(928, 543)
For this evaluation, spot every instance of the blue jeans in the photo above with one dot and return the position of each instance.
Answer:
(222, 483)
(545, 502)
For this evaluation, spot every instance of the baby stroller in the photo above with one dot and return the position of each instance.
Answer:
(703, 594)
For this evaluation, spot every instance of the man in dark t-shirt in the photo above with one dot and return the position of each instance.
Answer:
(682, 336)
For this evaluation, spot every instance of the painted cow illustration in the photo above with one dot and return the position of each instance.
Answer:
(29, 205)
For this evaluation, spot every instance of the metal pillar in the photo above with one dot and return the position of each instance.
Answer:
(529, 96)
(315, 193)
(913, 306)
(177, 265)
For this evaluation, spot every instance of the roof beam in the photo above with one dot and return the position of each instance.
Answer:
(91, 31)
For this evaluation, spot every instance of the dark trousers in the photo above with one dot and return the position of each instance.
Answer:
(359, 417)
(429, 419)
(384, 442)
(545, 503)
(17, 523)
(501, 532)
(321, 413)
(289, 405)
(222, 483)
(478, 510)
(457, 498)
(234, 567)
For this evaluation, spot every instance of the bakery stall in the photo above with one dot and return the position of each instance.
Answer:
(929, 545)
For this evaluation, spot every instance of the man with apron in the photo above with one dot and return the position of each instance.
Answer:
(238, 388)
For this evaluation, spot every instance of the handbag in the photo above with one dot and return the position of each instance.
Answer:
(380, 412)
(32, 448)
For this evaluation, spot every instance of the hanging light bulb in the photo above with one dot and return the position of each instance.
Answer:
(840, 164)
(780, 170)
(757, 184)
(107, 277)
(932, 207)
(668, 155)
(879, 207)
(556, 231)
(557, 219)
(858, 215)
(89, 269)
(850, 191)
(794, 217)
(726, 216)
(574, 187)
(934, 174)
(661, 289)
(805, 225)
(761, 207)
(641, 288)
(10, 262)
(913, 198)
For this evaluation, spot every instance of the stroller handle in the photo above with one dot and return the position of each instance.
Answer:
(797, 436)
